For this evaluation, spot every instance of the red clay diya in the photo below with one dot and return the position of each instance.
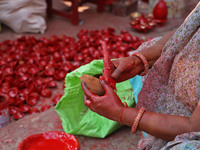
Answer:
(4, 110)
(51, 140)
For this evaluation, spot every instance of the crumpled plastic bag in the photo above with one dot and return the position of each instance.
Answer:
(76, 117)
(24, 15)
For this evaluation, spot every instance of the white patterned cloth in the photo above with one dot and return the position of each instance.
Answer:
(172, 86)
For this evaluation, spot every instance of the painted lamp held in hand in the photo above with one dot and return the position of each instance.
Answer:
(160, 12)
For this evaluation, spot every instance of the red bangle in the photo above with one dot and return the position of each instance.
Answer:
(137, 119)
(120, 116)
(144, 60)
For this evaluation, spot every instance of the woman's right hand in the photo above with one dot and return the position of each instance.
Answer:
(126, 68)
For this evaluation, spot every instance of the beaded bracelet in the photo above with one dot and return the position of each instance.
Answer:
(120, 116)
(137, 119)
(144, 60)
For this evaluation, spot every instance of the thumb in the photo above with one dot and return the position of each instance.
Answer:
(117, 72)
(106, 86)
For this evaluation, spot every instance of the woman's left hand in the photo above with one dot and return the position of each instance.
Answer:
(108, 105)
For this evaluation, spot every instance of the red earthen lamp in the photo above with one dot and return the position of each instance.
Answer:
(51, 140)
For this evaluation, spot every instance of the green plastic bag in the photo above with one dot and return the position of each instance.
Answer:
(76, 118)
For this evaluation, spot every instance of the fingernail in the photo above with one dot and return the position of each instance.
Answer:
(87, 102)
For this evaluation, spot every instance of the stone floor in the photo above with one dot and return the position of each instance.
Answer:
(122, 139)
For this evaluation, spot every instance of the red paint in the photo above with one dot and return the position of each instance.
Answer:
(107, 70)
(52, 140)
(39, 144)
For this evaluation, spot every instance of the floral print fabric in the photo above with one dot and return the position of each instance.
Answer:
(172, 86)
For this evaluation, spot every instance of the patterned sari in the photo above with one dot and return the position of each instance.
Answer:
(172, 85)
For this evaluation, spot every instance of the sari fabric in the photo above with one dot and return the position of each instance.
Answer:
(172, 85)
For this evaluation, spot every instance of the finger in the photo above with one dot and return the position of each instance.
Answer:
(136, 70)
(129, 74)
(115, 63)
(92, 109)
(88, 104)
(106, 86)
(87, 92)
(117, 72)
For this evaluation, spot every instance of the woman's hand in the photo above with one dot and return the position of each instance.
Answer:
(126, 68)
(108, 105)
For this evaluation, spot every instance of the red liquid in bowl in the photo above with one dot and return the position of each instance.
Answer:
(45, 145)
(50, 141)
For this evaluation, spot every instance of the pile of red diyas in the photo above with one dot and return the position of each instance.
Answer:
(142, 22)
(31, 68)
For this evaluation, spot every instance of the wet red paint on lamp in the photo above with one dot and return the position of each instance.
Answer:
(52, 140)
(107, 70)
